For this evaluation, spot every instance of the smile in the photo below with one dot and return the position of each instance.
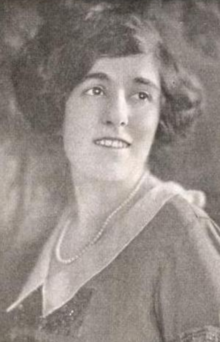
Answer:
(112, 143)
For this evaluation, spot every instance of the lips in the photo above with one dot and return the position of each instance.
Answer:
(115, 143)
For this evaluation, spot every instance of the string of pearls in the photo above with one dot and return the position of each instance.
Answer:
(100, 232)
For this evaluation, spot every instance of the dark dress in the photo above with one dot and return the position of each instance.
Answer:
(155, 278)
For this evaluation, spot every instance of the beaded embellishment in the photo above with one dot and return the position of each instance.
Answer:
(25, 323)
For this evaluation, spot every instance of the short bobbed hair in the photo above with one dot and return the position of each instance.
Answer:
(66, 48)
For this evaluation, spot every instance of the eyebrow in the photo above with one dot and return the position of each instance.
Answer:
(96, 75)
(104, 77)
(145, 81)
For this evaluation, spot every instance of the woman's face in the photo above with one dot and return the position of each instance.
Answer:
(111, 118)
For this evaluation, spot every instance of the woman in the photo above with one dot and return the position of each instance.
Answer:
(130, 258)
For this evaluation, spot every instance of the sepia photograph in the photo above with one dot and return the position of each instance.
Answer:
(109, 171)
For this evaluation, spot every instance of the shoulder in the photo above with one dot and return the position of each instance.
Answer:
(180, 223)
(188, 291)
(180, 210)
(174, 208)
(181, 206)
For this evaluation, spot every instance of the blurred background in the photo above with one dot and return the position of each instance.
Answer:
(31, 179)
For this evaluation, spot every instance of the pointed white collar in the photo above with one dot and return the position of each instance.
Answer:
(61, 282)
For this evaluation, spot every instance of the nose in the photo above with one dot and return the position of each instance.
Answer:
(117, 112)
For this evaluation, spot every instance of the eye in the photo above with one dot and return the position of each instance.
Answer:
(142, 96)
(95, 91)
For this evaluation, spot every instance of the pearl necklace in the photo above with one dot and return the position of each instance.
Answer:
(100, 232)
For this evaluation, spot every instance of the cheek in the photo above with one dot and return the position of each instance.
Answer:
(146, 122)
(81, 115)
(71, 129)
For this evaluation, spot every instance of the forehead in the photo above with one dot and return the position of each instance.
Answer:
(127, 69)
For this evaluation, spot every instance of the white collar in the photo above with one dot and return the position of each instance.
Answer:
(61, 282)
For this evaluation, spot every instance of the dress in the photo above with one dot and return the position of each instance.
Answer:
(153, 276)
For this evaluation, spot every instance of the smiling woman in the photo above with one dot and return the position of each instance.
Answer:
(130, 259)
(120, 111)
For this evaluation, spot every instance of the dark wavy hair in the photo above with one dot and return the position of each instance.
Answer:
(68, 45)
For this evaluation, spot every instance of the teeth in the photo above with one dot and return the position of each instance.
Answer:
(112, 143)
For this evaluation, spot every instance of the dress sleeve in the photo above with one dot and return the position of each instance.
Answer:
(188, 292)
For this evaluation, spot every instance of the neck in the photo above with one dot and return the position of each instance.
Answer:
(96, 203)
(94, 200)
